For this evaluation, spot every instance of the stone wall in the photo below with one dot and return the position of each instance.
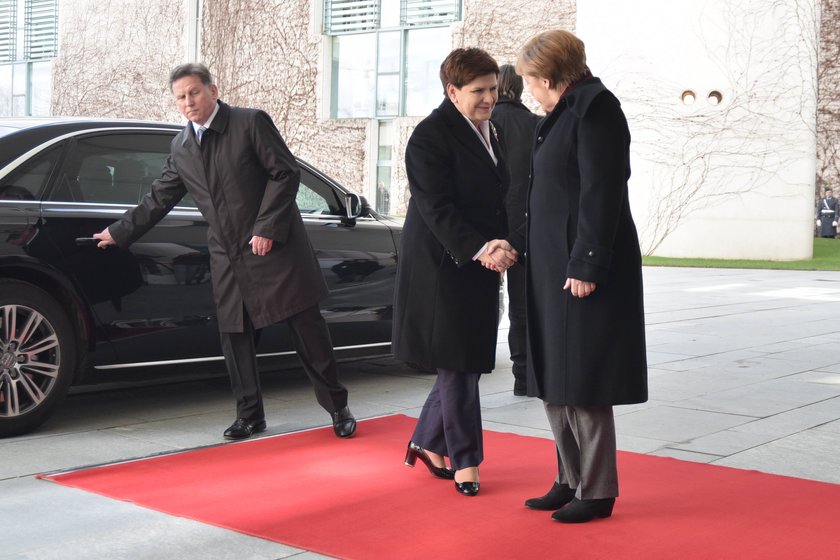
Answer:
(115, 57)
(828, 100)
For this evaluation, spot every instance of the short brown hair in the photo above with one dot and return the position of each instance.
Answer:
(556, 55)
(462, 66)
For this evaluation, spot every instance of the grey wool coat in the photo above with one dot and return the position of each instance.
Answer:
(244, 181)
(446, 305)
(584, 351)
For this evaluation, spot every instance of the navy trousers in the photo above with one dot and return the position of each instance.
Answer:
(450, 423)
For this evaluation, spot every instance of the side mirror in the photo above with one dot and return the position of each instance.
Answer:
(353, 205)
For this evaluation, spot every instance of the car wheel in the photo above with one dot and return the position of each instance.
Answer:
(37, 356)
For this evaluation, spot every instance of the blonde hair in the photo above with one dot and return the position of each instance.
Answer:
(556, 55)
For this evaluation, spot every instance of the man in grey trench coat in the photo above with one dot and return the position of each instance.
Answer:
(244, 181)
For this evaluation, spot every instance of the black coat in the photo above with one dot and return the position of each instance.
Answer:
(445, 304)
(584, 351)
(516, 125)
(244, 181)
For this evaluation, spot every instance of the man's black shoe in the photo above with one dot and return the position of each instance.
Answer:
(582, 511)
(344, 425)
(557, 497)
(242, 429)
(520, 388)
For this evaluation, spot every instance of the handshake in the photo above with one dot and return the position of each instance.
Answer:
(499, 255)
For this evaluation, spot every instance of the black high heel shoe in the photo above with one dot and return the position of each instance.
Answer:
(415, 452)
(467, 488)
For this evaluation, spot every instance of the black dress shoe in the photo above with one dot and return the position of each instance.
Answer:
(557, 497)
(344, 424)
(415, 452)
(520, 388)
(242, 428)
(467, 488)
(581, 511)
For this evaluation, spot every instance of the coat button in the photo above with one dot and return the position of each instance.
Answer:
(539, 138)
(591, 253)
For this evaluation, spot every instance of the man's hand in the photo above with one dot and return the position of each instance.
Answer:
(261, 246)
(499, 255)
(580, 288)
(104, 238)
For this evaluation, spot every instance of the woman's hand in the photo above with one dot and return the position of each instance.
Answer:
(580, 288)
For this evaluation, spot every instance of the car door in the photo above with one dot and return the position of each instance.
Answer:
(153, 302)
(358, 260)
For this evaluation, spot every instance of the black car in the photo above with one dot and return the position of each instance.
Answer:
(71, 313)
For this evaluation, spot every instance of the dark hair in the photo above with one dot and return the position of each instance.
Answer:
(190, 69)
(510, 83)
(556, 55)
(462, 66)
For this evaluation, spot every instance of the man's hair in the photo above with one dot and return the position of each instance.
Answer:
(510, 83)
(556, 55)
(462, 66)
(190, 69)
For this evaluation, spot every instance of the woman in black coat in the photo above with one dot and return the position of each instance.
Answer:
(446, 299)
(585, 311)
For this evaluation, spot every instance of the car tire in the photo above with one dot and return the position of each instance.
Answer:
(37, 356)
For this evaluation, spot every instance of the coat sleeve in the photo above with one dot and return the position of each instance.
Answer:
(602, 160)
(278, 207)
(166, 192)
(429, 167)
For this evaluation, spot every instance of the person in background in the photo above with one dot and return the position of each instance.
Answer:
(585, 309)
(244, 181)
(446, 300)
(827, 214)
(516, 125)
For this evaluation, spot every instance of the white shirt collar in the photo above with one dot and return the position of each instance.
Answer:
(209, 120)
(483, 131)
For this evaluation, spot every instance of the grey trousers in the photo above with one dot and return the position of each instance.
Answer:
(585, 438)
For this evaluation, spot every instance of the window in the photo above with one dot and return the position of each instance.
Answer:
(384, 166)
(28, 41)
(315, 197)
(27, 182)
(386, 55)
(114, 168)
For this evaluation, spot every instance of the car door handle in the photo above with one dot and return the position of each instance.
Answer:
(87, 241)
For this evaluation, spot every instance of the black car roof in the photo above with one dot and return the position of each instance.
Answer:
(18, 135)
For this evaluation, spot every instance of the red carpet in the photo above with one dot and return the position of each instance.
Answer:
(355, 499)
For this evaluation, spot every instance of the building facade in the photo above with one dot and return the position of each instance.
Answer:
(728, 150)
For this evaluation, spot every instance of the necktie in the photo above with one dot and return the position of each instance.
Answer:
(199, 133)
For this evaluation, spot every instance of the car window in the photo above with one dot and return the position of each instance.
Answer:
(315, 197)
(115, 168)
(27, 182)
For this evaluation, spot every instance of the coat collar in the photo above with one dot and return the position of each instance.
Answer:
(580, 98)
(577, 101)
(218, 126)
(464, 133)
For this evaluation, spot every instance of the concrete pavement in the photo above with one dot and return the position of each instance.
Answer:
(744, 372)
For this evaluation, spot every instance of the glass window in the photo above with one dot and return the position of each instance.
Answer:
(114, 168)
(354, 75)
(392, 69)
(315, 197)
(425, 50)
(28, 33)
(384, 166)
(27, 182)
